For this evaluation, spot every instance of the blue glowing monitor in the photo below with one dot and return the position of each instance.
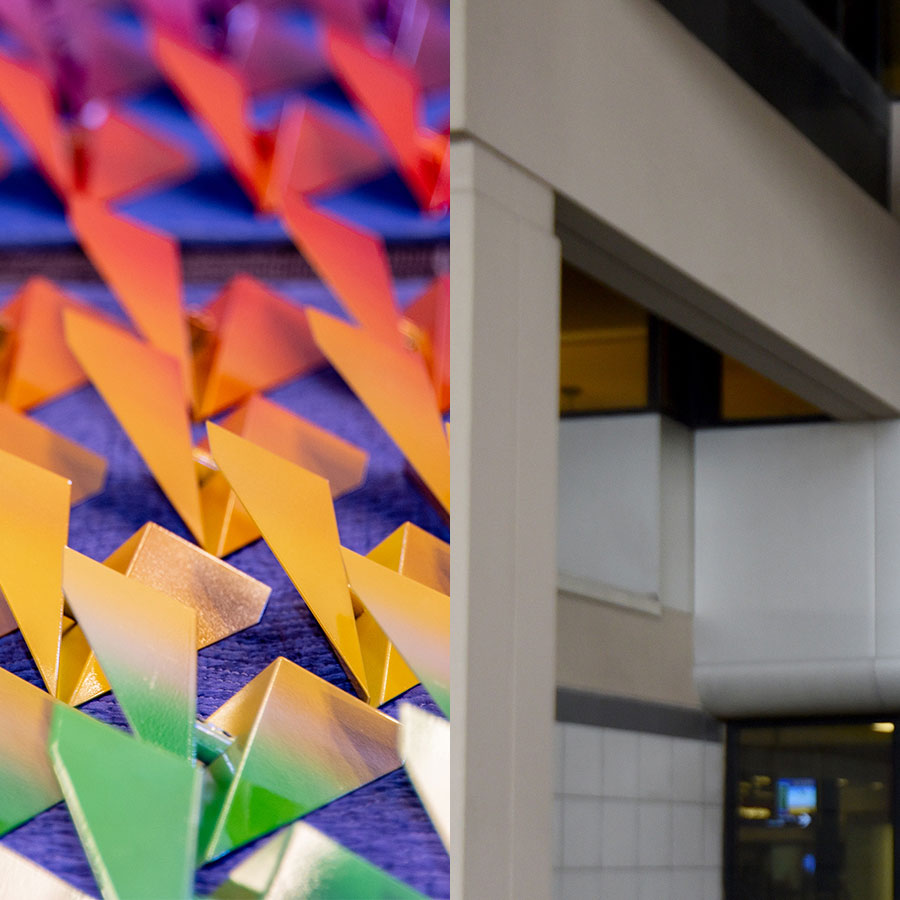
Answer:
(796, 796)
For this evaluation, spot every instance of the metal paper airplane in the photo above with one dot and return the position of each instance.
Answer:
(32, 441)
(390, 94)
(415, 617)
(134, 805)
(104, 153)
(429, 314)
(415, 553)
(216, 91)
(352, 262)
(292, 507)
(300, 742)
(27, 783)
(35, 362)
(143, 270)
(225, 599)
(34, 526)
(393, 383)
(299, 441)
(301, 863)
(253, 339)
(425, 749)
(144, 388)
(146, 643)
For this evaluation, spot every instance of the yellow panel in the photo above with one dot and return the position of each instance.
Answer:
(29, 439)
(603, 347)
(603, 370)
(292, 507)
(748, 395)
(34, 526)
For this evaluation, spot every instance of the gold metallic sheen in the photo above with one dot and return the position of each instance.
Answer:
(293, 509)
(34, 525)
(27, 783)
(226, 599)
(29, 439)
(300, 743)
(415, 618)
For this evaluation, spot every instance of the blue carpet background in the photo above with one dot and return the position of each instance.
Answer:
(382, 821)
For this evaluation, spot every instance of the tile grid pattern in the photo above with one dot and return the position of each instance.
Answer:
(637, 816)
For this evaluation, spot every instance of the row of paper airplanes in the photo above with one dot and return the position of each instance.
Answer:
(289, 741)
(246, 340)
(104, 152)
(177, 792)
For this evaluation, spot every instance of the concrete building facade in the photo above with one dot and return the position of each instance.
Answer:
(620, 582)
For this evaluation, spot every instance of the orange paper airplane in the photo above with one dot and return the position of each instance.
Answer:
(143, 269)
(34, 358)
(142, 386)
(29, 439)
(390, 94)
(352, 262)
(394, 385)
(105, 155)
(430, 315)
(252, 339)
(266, 161)
(34, 525)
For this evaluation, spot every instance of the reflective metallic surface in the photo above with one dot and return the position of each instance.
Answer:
(301, 863)
(258, 340)
(300, 743)
(293, 509)
(218, 96)
(352, 262)
(119, 156)
(391, 95)
(29, 439)
(135, 807)
(415, 553)
(147, 644)
(34, 526)
(40, 365)
(143, 387)
(225, 599)
(416, 618)
(425, 748)
(394, 384)
(430, 313)
(27, 783)
(307, 445)
(143, 269)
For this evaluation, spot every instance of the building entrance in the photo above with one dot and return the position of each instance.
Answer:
(810, 811)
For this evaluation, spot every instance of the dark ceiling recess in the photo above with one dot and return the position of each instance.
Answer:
(615, 357)
(825, 65)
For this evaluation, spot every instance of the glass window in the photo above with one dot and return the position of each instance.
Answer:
(811, 812)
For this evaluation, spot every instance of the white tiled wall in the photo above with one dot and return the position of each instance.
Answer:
(638, 816)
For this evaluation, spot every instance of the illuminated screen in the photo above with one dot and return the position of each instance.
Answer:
(796, 796)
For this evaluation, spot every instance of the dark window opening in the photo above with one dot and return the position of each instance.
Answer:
(810, 811)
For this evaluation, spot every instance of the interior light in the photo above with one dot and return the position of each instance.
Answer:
(883, 727)
(754, 812)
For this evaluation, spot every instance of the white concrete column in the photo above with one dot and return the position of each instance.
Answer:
(504, 374)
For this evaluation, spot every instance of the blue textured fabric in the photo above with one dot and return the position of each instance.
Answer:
(382, 821)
